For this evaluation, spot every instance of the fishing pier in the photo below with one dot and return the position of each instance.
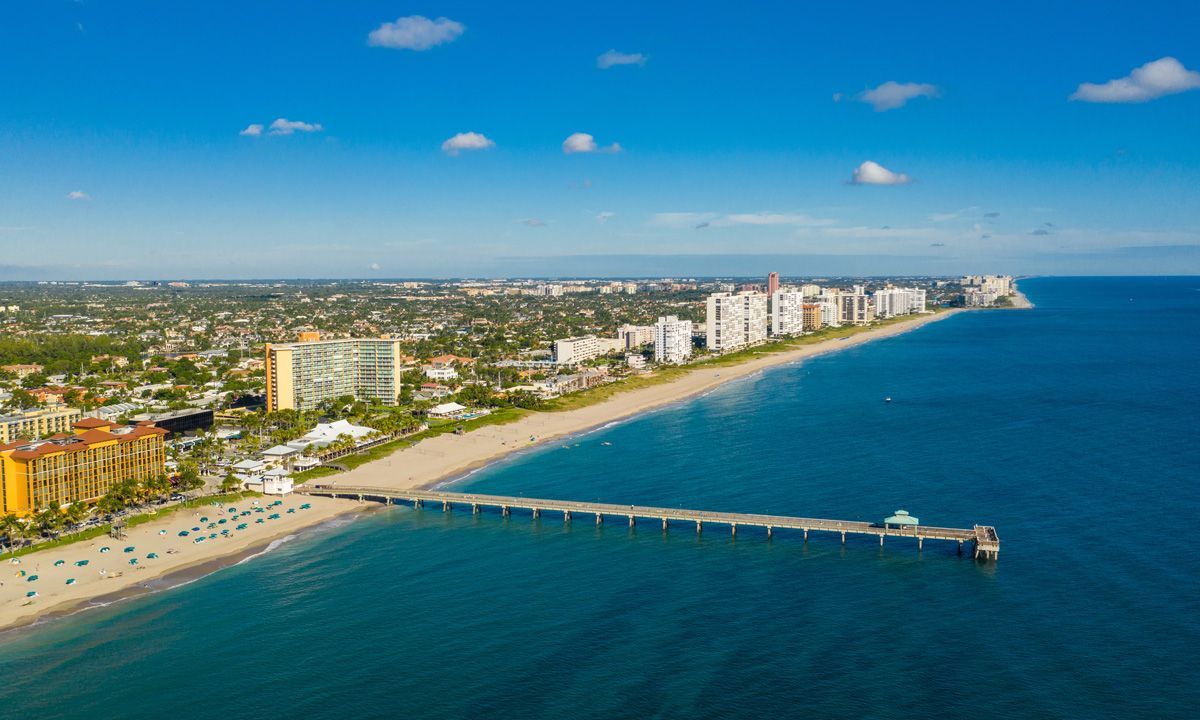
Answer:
(983, 538)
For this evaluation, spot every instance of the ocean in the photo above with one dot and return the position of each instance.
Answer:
(1071, 428)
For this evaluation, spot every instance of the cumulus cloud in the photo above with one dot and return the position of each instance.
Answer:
(1166, 76)
(252, 130)
(534, 222)
(764, 218)
(892, 95)
(872, 173)
(604, 217)
(584, 143)
(415, 32)
(375, 266)
(612, 58)
(467, 141)
(78, 195)
(283, 126)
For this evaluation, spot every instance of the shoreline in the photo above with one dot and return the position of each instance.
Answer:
(450, 458)
(166, 572)
(436, 461)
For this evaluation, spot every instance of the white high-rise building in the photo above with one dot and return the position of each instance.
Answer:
(854, 307)
(997, 284)
(570, 351)
(810, 291)
(735, 321)
(672, 340)
(787, 312)
(636, 335)
(890, 302)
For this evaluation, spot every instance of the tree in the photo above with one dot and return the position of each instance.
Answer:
(189, 478)
(231, 483)
(48, 521)
(13, 530)
(76, 512)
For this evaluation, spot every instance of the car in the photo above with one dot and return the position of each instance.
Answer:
(176, 497)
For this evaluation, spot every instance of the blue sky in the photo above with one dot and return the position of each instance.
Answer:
(738, 130)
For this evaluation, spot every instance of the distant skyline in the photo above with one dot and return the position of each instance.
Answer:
(157, 140)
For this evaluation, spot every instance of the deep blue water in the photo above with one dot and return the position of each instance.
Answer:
(1071, 428)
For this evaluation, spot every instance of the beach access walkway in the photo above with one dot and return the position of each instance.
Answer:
(984, 540)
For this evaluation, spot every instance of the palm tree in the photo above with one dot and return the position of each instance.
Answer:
(231, 483)
(75, 514)
(48, 521)
(13, 530)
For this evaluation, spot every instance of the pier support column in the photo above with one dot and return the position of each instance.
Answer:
(843, 537)
(360, 498)
(880, 541)
(504, 511)
(664, 524)
(920, 544)
(631, 521)
(805, 534)
(536, 513)
(699, 526)
(445, 506)
(733, 529)
(599, 519)
(566, 516)
(416, 504)
(960, 547)
(474, 508)
(770, 532)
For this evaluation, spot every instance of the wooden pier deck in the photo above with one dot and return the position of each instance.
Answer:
(985, 541)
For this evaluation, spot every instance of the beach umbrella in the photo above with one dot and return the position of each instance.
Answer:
(31, 593)
(225, 531)
(203, 519)
(32, 578)
(222, 521)
(232, 509)
(58, 562)
(162, 532)
(291, 510)
(196, 529)
(129, 549)
(70, 581)
(242, 526)
(104, 549)
(152, 556)
(81, 563)
(212, 537)
(183, 533)
(199, 540)
(133, 561)
(259, 520)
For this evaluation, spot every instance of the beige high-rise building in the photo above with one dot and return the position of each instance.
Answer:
(35, 424)
(303, 374)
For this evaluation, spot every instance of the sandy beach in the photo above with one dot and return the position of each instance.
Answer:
(110, 573)
(428, 463)
(448, 456)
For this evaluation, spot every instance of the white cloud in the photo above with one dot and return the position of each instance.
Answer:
(467, 141)
(872, 173)
(764, 218)
(613, 58)
(283, 126)
(585, 143)
(415, 32)
(1165, 76)
(604, 217)
(375, 266)
(252, 130)
(710, 219)
(892, 94)
(78, 195)
(534, 222)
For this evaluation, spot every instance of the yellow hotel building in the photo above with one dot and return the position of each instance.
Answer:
(67, 468)
(300, 375)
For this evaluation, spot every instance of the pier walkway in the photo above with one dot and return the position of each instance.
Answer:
(985, 541)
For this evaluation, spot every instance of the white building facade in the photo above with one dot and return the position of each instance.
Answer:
(735, 321)
(571, 351)
(890, 302)
(672, 340)
(787, 312)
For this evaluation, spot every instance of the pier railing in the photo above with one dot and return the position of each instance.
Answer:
(985, 541)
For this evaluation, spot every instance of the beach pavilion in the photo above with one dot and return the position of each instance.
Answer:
(901, 519)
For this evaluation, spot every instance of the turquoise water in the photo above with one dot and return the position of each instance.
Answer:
(1071, 428)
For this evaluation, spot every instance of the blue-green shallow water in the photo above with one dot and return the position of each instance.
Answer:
(1072, 428)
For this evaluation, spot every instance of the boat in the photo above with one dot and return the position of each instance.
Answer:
(887, 399)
